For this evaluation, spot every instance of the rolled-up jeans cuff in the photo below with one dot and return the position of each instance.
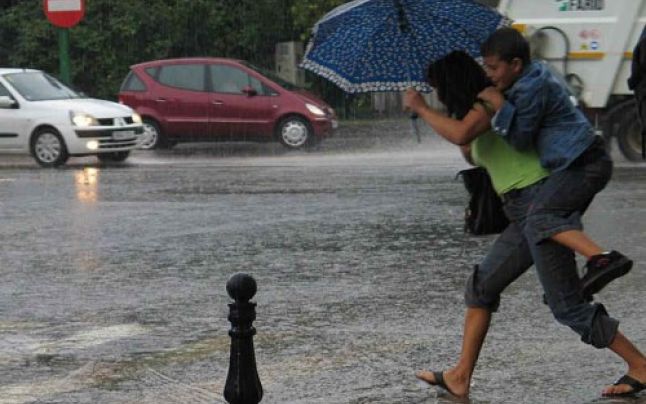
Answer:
(536, 236)
(475, 299)
(473, 302)
(538, 228)
(602, 330)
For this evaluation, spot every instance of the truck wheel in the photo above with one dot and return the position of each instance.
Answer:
(614, 118)
(629, 136)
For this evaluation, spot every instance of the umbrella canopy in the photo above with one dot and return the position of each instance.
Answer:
(386, 45)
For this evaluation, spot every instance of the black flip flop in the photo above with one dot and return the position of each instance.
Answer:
(439, 382)
(625, 379)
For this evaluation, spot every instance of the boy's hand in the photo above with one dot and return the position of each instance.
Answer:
(413, 100)
(493, 97)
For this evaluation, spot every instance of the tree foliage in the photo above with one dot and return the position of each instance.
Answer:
(306, 13)
(116, 34)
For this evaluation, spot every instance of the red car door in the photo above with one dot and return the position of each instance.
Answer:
(182, 99)
(234, 113)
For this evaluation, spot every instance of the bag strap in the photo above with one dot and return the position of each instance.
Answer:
(489, 109)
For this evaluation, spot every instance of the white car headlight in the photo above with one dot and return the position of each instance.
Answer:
(136, 118)
(82, 119)
(315, 110)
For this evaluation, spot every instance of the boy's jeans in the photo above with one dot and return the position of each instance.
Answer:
(566, 194)
(511, 255)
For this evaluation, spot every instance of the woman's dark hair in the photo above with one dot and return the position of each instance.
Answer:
(458, 79)
(507, 44)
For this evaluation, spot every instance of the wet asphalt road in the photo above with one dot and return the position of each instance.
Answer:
(113, 277)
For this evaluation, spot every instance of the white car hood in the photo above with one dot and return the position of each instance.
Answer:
(95, 107)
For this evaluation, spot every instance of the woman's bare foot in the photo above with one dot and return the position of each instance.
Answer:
(453, 381)
(638, 375)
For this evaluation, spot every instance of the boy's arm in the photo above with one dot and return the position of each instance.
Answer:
(517, 120)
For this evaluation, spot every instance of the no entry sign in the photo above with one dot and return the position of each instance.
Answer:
(64, 13)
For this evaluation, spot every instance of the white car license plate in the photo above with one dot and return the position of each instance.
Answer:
(123, 135)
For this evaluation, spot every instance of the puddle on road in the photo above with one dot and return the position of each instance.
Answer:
(58, 357)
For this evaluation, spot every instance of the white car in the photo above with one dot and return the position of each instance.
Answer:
(41, 116)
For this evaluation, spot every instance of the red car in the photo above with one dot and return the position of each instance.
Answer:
(196, 99)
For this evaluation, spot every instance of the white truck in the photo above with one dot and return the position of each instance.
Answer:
(590, 42)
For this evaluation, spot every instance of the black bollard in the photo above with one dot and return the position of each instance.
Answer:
(243, 385)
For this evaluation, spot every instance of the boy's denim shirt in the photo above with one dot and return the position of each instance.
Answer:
(538, 113)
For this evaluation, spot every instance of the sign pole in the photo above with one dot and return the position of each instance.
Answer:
(64, 55)
(64, 14)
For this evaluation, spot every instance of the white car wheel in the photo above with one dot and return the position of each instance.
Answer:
(48, 148)
(294, 132)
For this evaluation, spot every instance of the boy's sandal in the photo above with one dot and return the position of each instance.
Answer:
(636, 385)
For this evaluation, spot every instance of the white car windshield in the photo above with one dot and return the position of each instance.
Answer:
(38, 86)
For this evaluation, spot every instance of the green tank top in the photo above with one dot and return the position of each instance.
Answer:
(508, 168)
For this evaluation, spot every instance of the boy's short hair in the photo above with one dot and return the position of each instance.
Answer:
(507, 44)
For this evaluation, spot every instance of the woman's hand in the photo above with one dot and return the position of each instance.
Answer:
(414, 101)
(493, 97)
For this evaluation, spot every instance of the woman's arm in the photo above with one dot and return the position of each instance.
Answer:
(459, 132)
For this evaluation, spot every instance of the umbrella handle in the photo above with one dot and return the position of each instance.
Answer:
(413, 123)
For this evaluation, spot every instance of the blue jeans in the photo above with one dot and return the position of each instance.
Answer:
(511, 255)
(566, 194)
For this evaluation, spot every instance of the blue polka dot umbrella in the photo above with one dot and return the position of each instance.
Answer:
(386, 45)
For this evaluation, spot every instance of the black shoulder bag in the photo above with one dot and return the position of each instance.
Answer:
(484, 215)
